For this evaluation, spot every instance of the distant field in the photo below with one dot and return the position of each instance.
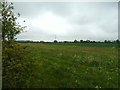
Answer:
(88, 44)
(71, 65)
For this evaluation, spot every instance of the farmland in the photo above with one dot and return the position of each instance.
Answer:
(28, 63)
(73, 65)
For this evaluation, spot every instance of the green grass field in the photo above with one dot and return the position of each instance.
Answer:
(68, 65)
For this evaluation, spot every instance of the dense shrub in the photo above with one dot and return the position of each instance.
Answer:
(16, 65)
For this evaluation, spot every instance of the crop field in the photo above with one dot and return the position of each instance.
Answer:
(73, 65)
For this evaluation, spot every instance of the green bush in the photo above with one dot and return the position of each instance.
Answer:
(17, 67)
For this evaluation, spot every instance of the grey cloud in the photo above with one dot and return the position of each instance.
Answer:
(95, 21)
(30, 9)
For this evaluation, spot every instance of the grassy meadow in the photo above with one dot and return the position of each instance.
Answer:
(73, 65)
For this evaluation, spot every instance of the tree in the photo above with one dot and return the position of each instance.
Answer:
(55, 41)
(10, 28)
(81, 41)
(117, 41)
(15, 64)
(105, 41)
(75, 41)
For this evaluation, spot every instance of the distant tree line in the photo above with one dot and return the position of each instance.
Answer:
(75, 41)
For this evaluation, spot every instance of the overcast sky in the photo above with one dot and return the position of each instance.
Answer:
(68, 21)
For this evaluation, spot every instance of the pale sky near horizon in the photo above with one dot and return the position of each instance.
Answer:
(68, 20)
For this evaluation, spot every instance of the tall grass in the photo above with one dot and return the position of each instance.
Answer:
(73, 66)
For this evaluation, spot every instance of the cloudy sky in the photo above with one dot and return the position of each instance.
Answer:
(68, 20)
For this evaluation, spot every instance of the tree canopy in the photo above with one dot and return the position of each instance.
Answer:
(10, 28)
